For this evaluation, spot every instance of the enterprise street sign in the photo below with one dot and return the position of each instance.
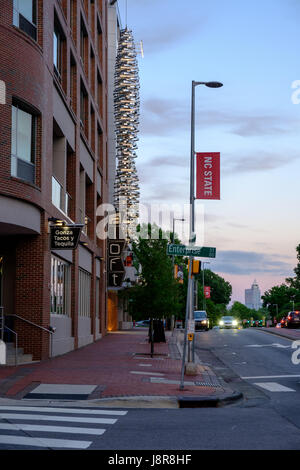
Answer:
(182, 250)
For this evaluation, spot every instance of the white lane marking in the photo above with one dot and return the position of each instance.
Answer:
(70, 419)
(64, 429)
(145, 373)
(145, 365)
(63, 410)
(274, 387)
(38, 442)
(275, 345)
(271, 377)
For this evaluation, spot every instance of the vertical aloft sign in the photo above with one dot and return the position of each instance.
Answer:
(208, 175)
(116, 270)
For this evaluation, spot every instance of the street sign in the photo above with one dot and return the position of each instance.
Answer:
(182, 250)
(65, 237)
(191, 326)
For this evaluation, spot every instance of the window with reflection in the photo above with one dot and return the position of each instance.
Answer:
(22, 144)
(25, 16)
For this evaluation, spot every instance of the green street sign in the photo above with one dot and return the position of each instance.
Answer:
(182, 250)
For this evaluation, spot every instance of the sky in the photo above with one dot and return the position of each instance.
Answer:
(252, 47)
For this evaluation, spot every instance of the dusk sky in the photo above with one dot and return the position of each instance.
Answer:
(252, 48)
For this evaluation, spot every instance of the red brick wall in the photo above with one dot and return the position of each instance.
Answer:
(26, 67)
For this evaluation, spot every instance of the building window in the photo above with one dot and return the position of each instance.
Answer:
(84, 304)
(57, 49)
(25, 16)
(97, 298)
(60, 286)
(84, 121)
(23, 145)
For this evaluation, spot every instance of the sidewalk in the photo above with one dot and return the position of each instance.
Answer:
(293, 334)
(117, 367)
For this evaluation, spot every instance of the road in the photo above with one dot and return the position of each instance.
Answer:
(257, 363)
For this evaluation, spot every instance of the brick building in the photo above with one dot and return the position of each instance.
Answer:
(53, 165)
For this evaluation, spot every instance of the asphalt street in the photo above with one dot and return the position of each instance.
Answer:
(255, 362)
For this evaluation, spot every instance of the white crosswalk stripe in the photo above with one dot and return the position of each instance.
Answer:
(12, 419)
(274, 387)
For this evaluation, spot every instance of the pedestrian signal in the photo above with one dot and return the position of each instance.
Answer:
(196, 267)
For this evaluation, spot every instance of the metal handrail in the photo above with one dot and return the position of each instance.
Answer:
(1, 323)
(51, 332)
(16, 350)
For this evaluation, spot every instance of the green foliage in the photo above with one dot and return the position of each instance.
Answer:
(157, 294)
(220, 290)
(280, 298)
(242, 312)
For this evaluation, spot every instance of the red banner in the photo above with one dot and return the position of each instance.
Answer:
(208, 176)
(207, 292)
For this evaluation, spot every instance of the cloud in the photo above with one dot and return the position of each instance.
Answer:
(162, 117)
(251, 262)
(262, 161)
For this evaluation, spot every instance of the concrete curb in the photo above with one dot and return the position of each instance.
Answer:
(277, 333)
(209, 402)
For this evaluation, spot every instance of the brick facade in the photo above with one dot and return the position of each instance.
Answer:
(26, 67)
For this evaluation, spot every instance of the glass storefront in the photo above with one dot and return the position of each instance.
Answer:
(60, 286)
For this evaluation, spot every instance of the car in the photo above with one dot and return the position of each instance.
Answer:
(293, 319)
(201, 320)
(228, 322)
(282, 323)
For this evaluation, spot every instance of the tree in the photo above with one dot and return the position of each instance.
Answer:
(157, 294)
(295, 281)
(240, 311)
(279, 299)
(220, 294)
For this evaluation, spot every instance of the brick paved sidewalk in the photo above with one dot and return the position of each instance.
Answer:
(119, 365)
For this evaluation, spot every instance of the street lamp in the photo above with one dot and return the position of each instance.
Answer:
(192, 197)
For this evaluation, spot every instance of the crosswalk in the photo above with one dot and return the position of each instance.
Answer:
(53, 428)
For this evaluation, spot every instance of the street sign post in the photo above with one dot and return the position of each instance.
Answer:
(182, 250)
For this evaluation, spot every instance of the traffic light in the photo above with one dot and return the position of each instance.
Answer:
(196, 268)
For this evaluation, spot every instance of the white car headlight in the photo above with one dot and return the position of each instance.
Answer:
(234, 322)
(221, 322)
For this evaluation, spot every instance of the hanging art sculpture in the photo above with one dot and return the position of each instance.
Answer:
(126, 111)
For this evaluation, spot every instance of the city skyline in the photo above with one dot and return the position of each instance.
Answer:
(253, 121)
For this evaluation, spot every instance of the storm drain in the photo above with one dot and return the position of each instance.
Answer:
(159, 380)
(61, 392)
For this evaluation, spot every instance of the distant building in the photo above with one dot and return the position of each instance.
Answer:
(253, 297)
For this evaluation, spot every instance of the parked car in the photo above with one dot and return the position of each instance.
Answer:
(282, 322)
(293, 320)
(228, 322)
(201, 320)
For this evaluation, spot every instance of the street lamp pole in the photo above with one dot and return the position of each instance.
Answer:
(173, 263)
(192, 198)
